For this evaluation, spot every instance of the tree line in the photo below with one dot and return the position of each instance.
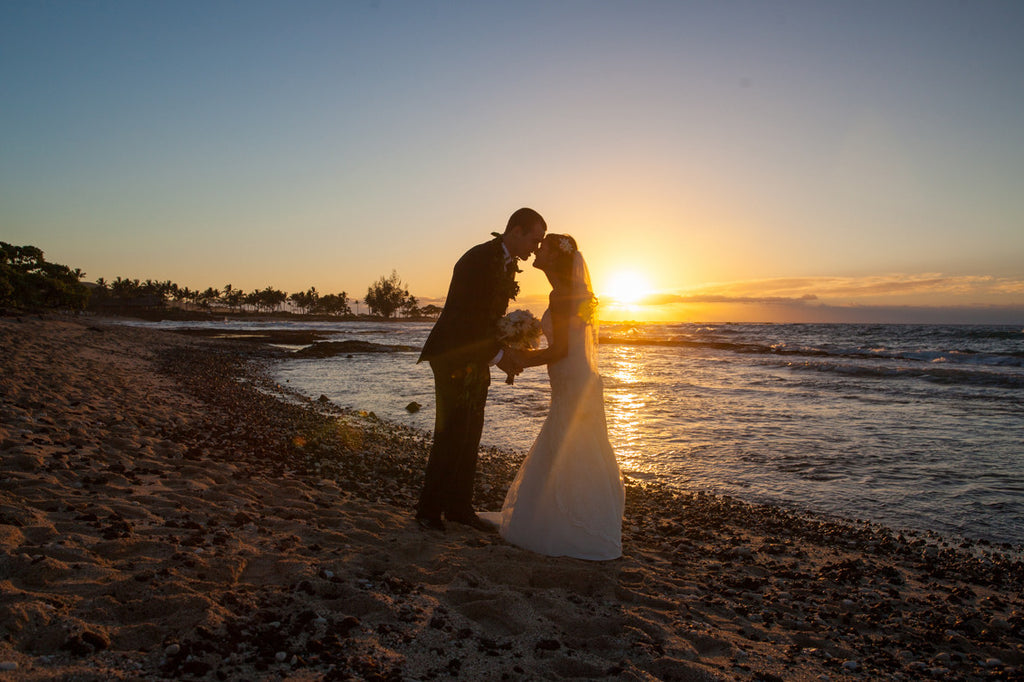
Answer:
(28, 281)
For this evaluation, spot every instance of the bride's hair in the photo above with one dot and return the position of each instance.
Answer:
(568, 263)
(564, 247)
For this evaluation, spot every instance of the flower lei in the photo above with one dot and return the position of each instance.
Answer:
(508, 287)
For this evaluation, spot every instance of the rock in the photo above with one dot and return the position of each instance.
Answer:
(347, 624)
(77, 646)
(8, 666)
(172, 650)
(413, 407)
(327, 349)
(762, 677)
(96, 640)
(668, 668)
(196, 668)
(999, 625)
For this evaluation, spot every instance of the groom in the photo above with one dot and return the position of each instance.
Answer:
(461, 347)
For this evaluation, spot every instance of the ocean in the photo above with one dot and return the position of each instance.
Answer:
(918, 427)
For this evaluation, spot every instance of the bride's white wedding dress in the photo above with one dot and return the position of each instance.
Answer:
(567, 498)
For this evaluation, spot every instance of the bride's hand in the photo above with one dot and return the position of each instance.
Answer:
(511, 364)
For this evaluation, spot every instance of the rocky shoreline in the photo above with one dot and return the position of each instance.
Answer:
(167, 512)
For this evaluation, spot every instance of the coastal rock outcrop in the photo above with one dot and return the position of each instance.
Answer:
(327, 349)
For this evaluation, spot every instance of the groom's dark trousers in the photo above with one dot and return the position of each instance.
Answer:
(461, 392)
(460, 348)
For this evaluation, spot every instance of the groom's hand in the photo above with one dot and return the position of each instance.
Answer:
(510, 364)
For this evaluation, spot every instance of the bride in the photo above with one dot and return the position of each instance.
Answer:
(567, 498)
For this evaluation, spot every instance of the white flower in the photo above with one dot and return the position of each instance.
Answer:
(519, 329)
(565, 245)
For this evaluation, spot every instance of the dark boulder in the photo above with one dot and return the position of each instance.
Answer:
(327, 349)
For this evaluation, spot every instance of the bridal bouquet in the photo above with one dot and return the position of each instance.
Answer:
(519, 330)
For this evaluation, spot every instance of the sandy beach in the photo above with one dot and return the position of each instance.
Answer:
(166, 512)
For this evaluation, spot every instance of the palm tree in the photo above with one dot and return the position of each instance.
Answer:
(252, 299)
(187, 295)
(208, 297)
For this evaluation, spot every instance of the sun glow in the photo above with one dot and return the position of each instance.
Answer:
(626, 288)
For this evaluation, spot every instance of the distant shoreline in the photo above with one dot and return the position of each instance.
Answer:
(182, 315)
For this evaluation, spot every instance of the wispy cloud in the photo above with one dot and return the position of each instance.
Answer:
(851, 290)
(667, 299)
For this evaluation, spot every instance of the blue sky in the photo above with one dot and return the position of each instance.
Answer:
(762, 160)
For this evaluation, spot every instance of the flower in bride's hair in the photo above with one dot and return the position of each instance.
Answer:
(565, 245)
(519, 330)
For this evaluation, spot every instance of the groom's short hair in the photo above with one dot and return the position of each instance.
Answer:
(525, 218)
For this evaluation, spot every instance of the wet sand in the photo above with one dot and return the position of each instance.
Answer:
(166, 512)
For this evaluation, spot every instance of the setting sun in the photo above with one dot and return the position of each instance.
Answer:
(626, 288)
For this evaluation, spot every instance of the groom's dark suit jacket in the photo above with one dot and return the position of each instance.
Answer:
(481, 287)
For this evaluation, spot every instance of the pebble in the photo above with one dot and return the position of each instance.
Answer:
(8, 666)
(280, 656)
(851, 665)
(999, 624)
(172, 650)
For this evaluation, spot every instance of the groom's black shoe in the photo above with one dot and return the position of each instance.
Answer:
(473, 521)
(430, 523)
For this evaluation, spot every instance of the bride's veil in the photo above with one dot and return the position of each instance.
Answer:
(588, 307)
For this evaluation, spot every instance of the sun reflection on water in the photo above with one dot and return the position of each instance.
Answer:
(625, 400)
